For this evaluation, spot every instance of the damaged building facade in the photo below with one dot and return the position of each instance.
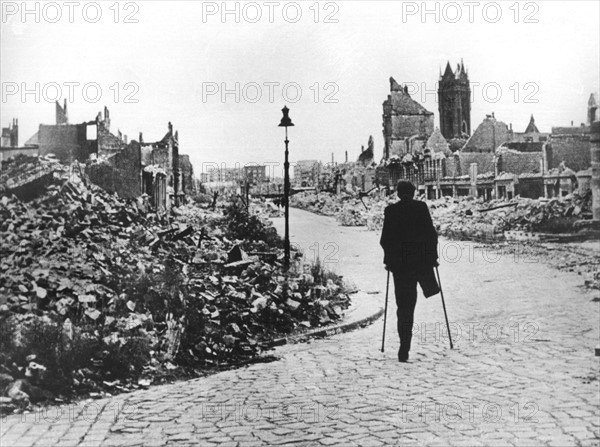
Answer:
(130, 169)
(406, 123)
(492, 162)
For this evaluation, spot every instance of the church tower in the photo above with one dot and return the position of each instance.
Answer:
(454, 102)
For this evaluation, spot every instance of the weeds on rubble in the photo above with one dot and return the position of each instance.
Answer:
(239, 224)
(321, 275)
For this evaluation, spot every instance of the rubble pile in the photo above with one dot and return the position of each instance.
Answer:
(98, 293)
(469, 218)
(348, 209)
(325, 203)
(461, 218)
(376, 213)
(351, 216)
(458, 218)
(267, 208)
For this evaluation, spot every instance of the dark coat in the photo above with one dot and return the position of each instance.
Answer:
(409, 239)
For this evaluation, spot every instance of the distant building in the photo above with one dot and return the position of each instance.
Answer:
(10, 134)
(255, 174)
(454, 102)
(9, 146)
(306, 173)
(406, 124)
(215, 174)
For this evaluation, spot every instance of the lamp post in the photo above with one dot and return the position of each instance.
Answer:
(286, 122)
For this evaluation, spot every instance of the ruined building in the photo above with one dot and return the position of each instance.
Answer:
(490, 134)
(454, 102)
(161, 175)
(366, 156)
(531, 134)
(68, 142)
(496, 162)
(78, 142)
(155, 169)
(188, 185)
(437, 146)
(129, 169)
(406, 124)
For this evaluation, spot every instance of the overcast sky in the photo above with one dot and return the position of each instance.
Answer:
(178, 57)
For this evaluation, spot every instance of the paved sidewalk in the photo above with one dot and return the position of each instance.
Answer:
(523, 371)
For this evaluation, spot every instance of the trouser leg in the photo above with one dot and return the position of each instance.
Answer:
(405, 285)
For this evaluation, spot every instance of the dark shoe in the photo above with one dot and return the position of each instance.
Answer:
(402, 356)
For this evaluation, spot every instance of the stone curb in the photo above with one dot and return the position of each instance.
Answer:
(327, 331)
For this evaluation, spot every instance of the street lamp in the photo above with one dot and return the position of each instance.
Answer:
(286, 121)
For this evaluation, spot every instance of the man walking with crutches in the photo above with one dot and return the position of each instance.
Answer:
(409, 242)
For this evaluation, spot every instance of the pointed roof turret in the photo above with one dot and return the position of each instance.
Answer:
(531, 127)
(464, 74)
(448, 73)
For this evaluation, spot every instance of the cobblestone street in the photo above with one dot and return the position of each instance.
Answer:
(523, 371)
